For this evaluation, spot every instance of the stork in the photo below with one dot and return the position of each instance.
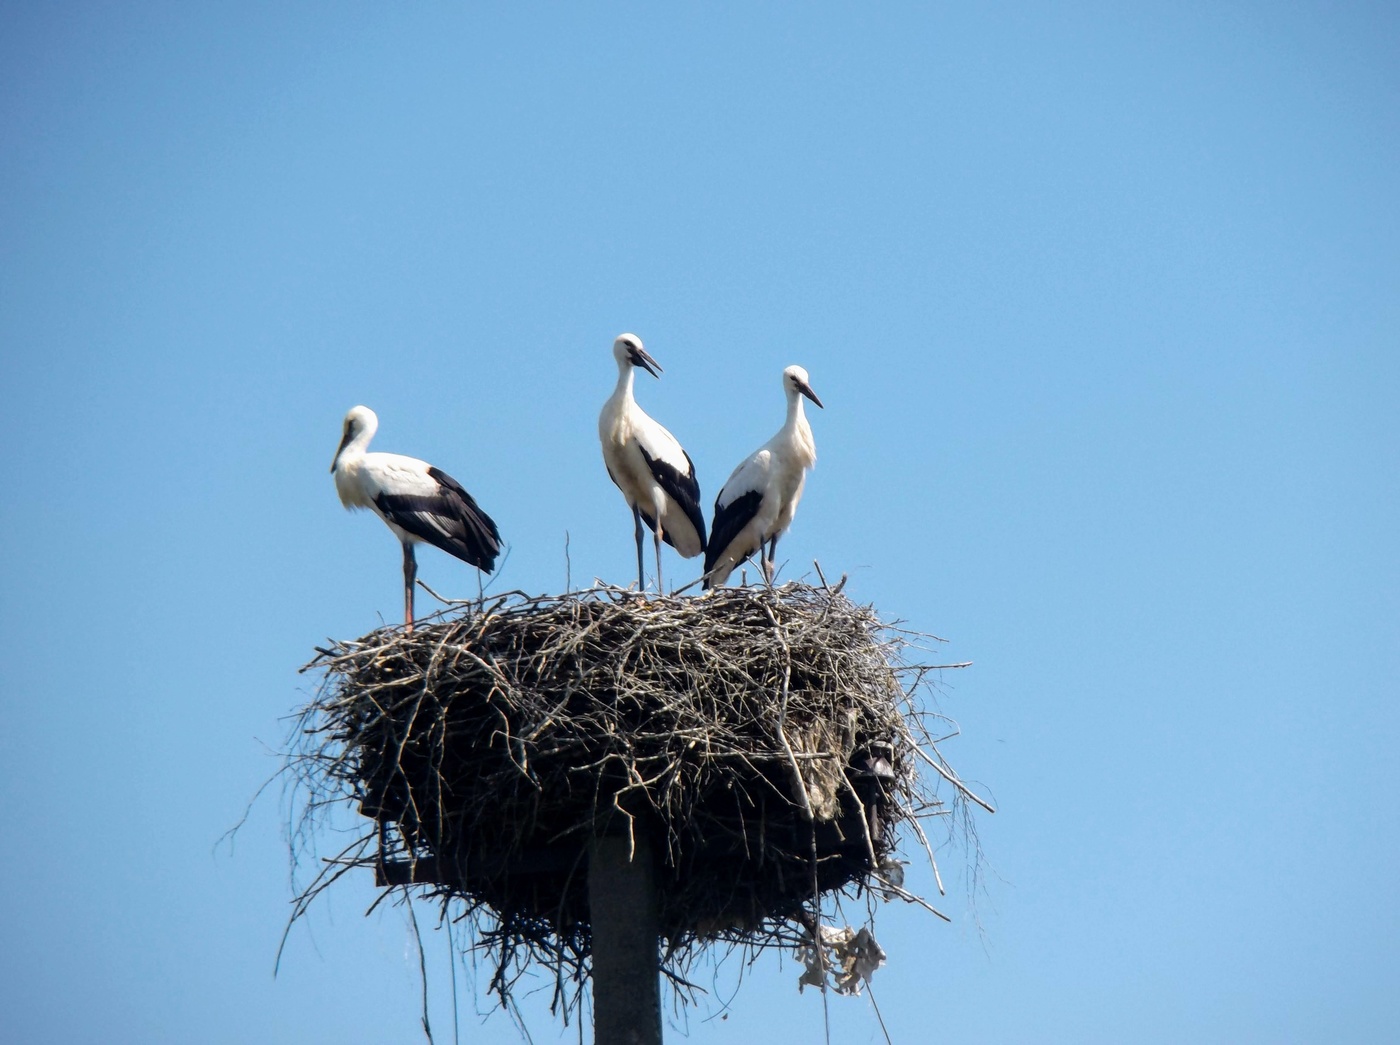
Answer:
(416, 501)
(758, 502)
(649, 466)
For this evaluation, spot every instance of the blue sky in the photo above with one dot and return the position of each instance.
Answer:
(1104, 305)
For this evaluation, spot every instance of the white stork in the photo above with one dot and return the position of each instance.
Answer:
(758, 502)
(648, 465)
(415, 500)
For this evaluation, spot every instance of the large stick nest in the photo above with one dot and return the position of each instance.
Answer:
(765, 739)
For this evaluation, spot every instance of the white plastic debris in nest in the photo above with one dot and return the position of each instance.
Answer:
(889, 880)
(850, 959)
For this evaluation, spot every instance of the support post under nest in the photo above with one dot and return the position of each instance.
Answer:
(626, 962)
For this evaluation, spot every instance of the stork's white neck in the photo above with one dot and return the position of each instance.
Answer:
(625, 372)
(356, 446)
(348, 463)
(795, 437)
(795, 414)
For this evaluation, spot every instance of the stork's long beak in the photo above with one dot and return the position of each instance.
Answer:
(642, 358)
(806, 390)
(343, 440)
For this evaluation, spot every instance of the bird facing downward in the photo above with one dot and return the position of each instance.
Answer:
(758, 502)
(416, 501)
(649, 466)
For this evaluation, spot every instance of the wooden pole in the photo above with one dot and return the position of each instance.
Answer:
(626, 966)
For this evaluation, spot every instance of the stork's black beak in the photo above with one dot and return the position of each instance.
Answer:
(806, 390)
(640, 357)
(343, 440)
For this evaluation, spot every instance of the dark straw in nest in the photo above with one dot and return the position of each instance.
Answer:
(767, 740)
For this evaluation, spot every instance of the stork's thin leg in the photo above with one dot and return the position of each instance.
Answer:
(641, 576)
(769, 564)
(410, 574)
(659, 589)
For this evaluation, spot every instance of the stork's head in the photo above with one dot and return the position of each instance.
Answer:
(360, 423)
(795, 384)
(628, 351)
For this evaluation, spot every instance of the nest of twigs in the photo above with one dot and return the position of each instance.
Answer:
(766, 739)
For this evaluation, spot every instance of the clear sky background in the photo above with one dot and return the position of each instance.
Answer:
(1104, 305)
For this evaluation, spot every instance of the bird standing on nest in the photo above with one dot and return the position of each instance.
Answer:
(649, 466)
(415, 500)
(759, 500)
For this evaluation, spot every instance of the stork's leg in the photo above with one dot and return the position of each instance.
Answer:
(770, 565)
(657, 536)
(641, 576)
(410, 574)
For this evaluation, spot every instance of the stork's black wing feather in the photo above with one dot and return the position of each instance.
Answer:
(449, 519)
(683, 488)
(730, 519)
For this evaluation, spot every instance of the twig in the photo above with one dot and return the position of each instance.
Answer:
(952, 779)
